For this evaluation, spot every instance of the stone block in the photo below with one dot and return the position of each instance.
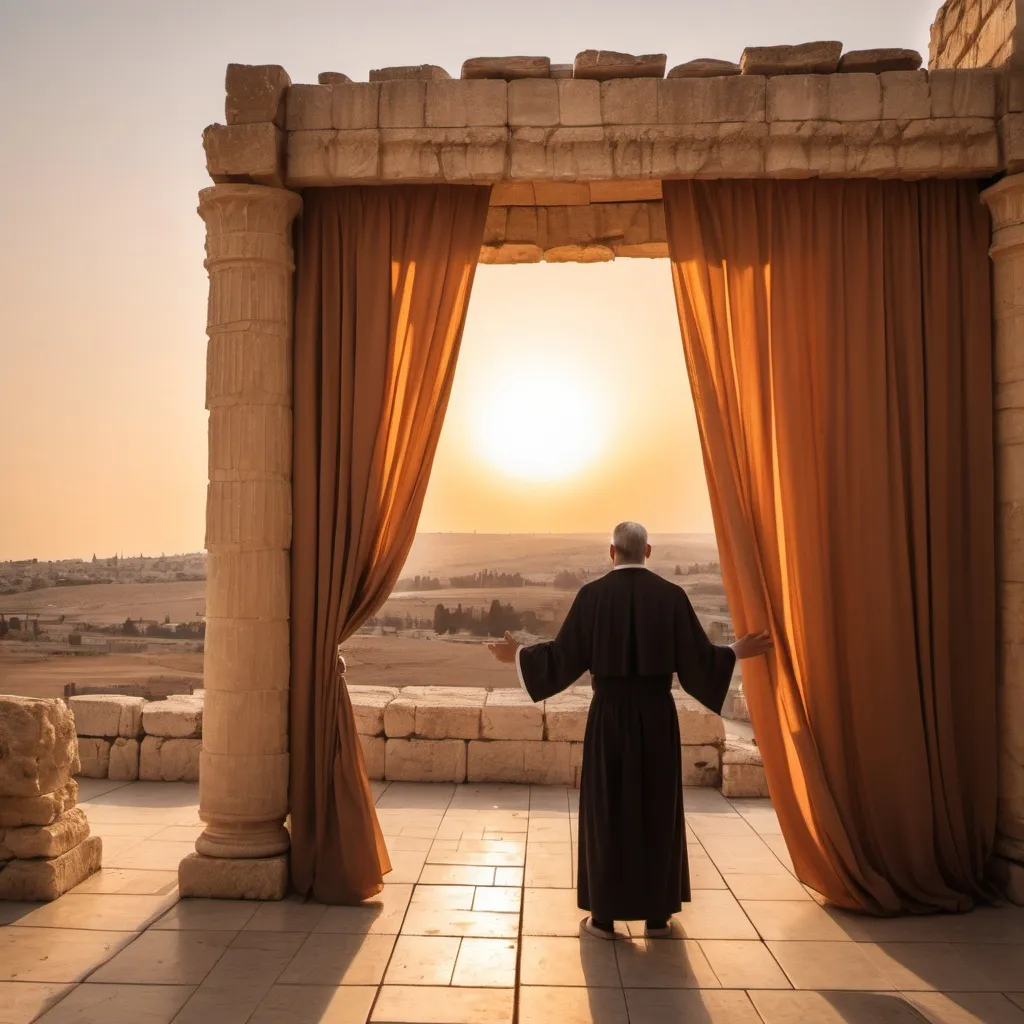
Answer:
(579, 254)
(402, 104)
(52, 840)
(511, 715)
(264, 878)
(333, 78)
(510, 254)
(561, 71)
(450, 717)
(630, 101)
(368, 706)
(180, 717)
(47, 879)
(462, 104)
(697, 725)
(607, 64)
(704, 67)
(824, 98)
(16, 811)
(410, 72)
(467, 155)
(108, 715)
(400, 717)
(38, 746)
(94, 757)
(507, 68)
(519, 761)
(565, 717)
(711, 100)
(533, 102)
(373, 755)
(169, 760)
(246, 584)
(701, 765)
(579, 102)
(818, 58)
(308, 106)
(875, 62)
(905, 95)
(355, 106)
(413, 760)
(1011, 141)
(321, 159)
(576, 763)
(124, 760)
(245, 153)
(744, 780)
(963, 93)
(255, 93)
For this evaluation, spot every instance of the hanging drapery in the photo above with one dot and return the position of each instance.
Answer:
(838, 342)
(382, 285)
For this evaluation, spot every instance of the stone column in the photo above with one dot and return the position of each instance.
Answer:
(1006, 203)
(243, 788)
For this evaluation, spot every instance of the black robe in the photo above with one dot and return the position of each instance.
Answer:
(632, 630)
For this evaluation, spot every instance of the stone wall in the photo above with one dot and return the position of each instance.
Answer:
(973, 34)
(45, 846)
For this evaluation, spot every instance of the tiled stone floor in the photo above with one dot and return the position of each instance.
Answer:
(478, 925)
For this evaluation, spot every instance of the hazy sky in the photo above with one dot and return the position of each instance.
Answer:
(102, 288)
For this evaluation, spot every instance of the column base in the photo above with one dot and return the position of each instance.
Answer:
(1009, 876)
(263, 878)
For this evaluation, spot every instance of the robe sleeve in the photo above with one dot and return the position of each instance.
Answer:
(552, 666)
(704, 669)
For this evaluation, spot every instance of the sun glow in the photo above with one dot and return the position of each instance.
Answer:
(539, 423)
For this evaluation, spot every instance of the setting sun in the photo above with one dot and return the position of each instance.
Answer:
(537, 424)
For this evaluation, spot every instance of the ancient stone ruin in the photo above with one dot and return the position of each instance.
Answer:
(45, 846)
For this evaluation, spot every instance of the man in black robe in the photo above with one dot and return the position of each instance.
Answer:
(632, 630)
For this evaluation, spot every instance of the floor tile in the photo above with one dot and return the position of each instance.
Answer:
(834, 1008)
(1001, 963)
(743, 964)
(449, 874)
(130, 882)
(777, 845)
(448, 897)
(23, 1001)
(55, 954)
(509, 876)
(422, 960)
(742, 855)
(126, 830)
(486, 963)
(400, 1004)
(208, 915)
(917, 966)
(421, 920)
(382, 915)
(152, 854)
(166, 958)
(139, 1004)
(402, 843)
(1017, 998)
(572, 1006)
(703, 873)
(495, 859)
(650, 963)
(339, 960)
(278, 942)
(694, 1006)
(718, 825)
(766, 887)
(793, 919)
(89, 789)
(288, 915)
(406, 866)
(828, 965)
(966, 1008)
(551, 912)
(503, 898)
(407, 796)
(418, 832)
(583, 961)
(98, 911)
(315, 1004)
(549, 865)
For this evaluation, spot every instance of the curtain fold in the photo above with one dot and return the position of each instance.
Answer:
(383, 280)
(838, 343)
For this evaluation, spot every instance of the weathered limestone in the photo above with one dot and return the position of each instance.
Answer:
(373, 755)
(108, 715)
(49, 878)
(507, 68)
(704, 67)
(606, 64)
(243, 767)
(565, 717)
(407, 760)
(180, 717)
(262, 878)
(123, 762)
(701, 765)
(245, 153)
(521, 761)
(414, 72)
(37, 741)
(255, 92)
(368, 704)
(743, 771)
(37, 810)
(975, 34)
(52, 840)
(820, 58)
(877, 61)
(332, 78)
(697, 726)
(511, 715)
(1005, 200)
(94, 757)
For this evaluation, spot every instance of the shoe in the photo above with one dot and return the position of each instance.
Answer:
(661, 931)
(600, 933)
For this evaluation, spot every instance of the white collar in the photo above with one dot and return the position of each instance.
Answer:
(630, 565)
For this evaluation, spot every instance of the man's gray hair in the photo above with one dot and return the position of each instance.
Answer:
(630, 542)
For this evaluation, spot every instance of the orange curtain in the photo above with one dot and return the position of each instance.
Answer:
(838, 341)
(382, 285)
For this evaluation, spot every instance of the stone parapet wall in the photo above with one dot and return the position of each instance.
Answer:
(973, 34)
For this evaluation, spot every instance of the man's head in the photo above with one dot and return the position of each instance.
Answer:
(629, 544)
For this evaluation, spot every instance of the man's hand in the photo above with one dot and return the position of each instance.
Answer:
(753, 645)
(505, 650)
